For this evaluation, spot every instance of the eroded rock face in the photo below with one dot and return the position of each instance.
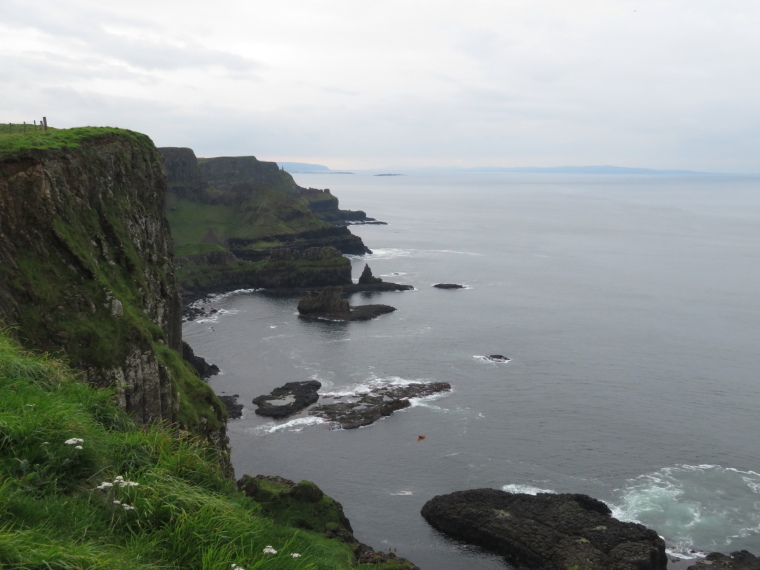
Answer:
(546, 531)
(288, 399)
(352, 412)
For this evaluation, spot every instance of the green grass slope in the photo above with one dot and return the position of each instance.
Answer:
(81, 487)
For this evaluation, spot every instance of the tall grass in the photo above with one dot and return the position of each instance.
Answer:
(82, 487)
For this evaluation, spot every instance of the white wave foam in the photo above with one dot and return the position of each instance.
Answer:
(297, 424)
(214, 317)
(403, 493)
(385, 253)
(525, 489)
(472, 253)
(704, 506)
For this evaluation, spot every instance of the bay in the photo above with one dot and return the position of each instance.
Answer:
(628, 305)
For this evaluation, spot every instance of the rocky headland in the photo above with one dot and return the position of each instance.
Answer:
(546, 531)
(240, 223)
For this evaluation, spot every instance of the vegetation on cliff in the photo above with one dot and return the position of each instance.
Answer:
(252, 211)
(86, 269)
(82, 486)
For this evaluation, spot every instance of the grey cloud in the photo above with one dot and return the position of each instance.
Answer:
(88, 28)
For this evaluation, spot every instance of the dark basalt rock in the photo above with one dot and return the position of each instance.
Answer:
(546, 531)
(329, 304)
(367, 278)
(365, 409)
(234, 410)
(740, 560)
(497, 358)
(448, 286)
(203, 368)
(288, 399)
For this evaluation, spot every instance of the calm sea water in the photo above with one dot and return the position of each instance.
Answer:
(629, 306)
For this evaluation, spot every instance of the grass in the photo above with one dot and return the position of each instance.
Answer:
(18, 143)
(58, 500)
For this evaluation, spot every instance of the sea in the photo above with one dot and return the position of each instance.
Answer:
(627, 304)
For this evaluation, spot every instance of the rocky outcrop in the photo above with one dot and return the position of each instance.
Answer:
(448, 286)
(304, 505)
(496, 358)
(329, 304)
(288, 399)
(546, 531)
(740, 560)
(203, 368)
(366, 278)
(86, 270)
(350, 412)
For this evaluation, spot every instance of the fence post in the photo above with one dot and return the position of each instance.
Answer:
(44, 120)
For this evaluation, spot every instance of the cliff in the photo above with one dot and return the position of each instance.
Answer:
(242, 223)
(86, 269)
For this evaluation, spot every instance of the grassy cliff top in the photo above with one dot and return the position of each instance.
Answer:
(17, 143)
(82, 487)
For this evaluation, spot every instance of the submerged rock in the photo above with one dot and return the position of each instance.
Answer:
(288, 399)
(366, 408)
(546, 531)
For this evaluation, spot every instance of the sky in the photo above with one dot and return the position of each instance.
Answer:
(664, 84)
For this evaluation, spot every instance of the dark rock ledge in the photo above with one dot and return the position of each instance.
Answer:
(351, 412)
(740, 560)
(546, 531)
(288, 399)
(448, 286)
(329, 304)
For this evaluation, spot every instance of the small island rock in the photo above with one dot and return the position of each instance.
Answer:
(546, 531)
(448, 286)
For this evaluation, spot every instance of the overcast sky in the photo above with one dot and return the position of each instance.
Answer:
(373, 83)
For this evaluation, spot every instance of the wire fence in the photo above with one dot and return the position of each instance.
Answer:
(13, 128)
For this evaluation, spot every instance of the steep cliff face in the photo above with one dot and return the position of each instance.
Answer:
(237, 222)
(86, 271)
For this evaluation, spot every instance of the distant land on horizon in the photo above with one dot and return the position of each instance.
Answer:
(303, 167)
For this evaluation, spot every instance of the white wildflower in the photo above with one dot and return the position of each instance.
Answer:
(74, 441)
(236, 567)
(78, 447)
(116, 502)
(104, 485)
(269, 550)
(118, 478)
(30, 405)
(45, 443)
(127, 507)
(296, 555)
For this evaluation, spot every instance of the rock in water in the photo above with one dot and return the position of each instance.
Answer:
(329, 304)
(367, 278)
(288, 399)
(368, 407)
(546, 531)
(448, 286)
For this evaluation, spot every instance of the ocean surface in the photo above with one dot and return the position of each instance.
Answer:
(628, 304)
